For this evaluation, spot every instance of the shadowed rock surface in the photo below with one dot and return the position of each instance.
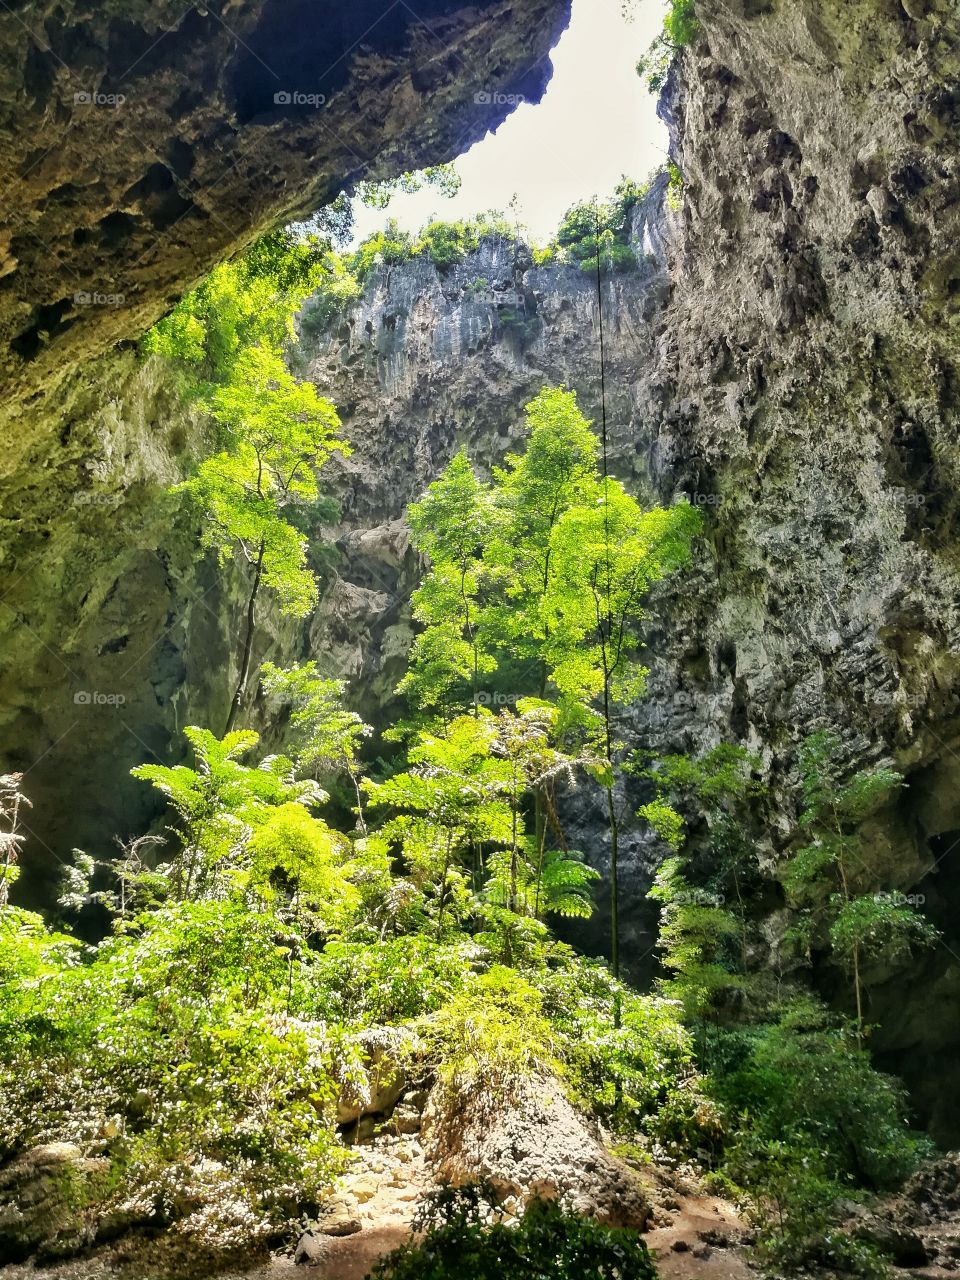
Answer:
(144, 142)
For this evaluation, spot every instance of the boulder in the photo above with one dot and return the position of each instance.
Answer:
(530, 1143)
(384, 1080)
(41, 1197)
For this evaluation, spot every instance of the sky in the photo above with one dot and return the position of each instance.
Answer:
(596, 122)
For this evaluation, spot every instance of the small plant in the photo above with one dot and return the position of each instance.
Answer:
(465, 1236)
(12, 800)
(674, 187)
(679, 29)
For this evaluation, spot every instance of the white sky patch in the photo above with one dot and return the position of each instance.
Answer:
(596, 122)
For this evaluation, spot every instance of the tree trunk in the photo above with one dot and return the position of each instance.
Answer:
(614, 885)
(247, 643)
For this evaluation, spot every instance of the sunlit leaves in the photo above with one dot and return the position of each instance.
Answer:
(279, 432)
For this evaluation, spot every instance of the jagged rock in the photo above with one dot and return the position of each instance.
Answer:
(529, 1142)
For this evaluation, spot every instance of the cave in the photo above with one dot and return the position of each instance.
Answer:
(480, 684)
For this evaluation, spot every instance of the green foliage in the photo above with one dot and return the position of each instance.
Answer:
(680, 28)
(628, 1057)
(590, 227)
(327, 737)
(174, 1034)
(279, 434)
(492, 1033)
(461, 1240)
(675, 187)
(442, 177)
(805, 1078)
(836, 879)
(247, 303)
(705, 932)
(389, 980)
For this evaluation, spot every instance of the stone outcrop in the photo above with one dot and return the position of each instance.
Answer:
(528, 1142)
(144, 142)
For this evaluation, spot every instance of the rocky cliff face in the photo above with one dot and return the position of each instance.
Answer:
(787, 354)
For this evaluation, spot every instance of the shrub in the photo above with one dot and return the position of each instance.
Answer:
(492, 1032)
(805, 1077)
(462, 1240)
(176, 1036)
(388, 981)
(628, 1057)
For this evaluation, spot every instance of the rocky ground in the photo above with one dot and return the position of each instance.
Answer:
(692, 1234)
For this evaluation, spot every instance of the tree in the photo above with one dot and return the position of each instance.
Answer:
(608, 555)
(450, 525)
(448, 803)
(549, 565)
(680, 27)
(12, 800)
(279, 433)
(218, 806)
(835, 878)
(325, 734)
(557, 470)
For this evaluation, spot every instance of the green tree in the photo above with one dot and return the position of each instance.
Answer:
(836, 879)
(326, 735)
(451, 526)
(218, 805)
(448, 803)
(558, 469)
(278, 432)
(608, 555)
(680, 27)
